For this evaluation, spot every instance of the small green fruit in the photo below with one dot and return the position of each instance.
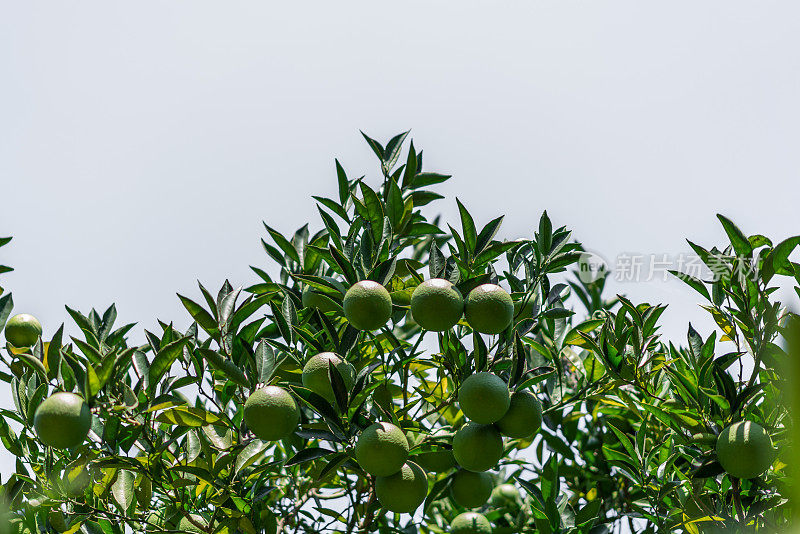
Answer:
(271, 413)
(471, 490)
(62, 420)
(524, 416)
(23, 330)
(745, 450)
(315, 374)
(505, 495)
(437, 305)
(382, 449)
(477, 447)
(470, 523)
(367, 305)
(484, 398)
(489, 309)
(404, 491)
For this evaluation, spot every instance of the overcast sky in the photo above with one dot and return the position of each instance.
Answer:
(142, 144)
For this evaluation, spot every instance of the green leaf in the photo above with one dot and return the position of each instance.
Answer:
(53, 356)
(422, 198)
(283, 243)
(487, 234)
(6, 305)
(545, 240)
(436, 261)
(164, 360)
(188, 416)
(374, 210)
(344, 184)
(122, 489)
(394, 204)
(741, 245)
(266, 363)
(344, 265)
(392, 151)
(410, 171)
(308, 454)
(375, 146)
(200, 316)
(468, 228)
(227, 367)
(692, 282)
(425, 179)
(777, 261)
(574, 338)
(333, 206)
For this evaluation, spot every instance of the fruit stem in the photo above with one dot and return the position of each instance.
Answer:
(737, 498)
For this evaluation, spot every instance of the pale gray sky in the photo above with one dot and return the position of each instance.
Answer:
(141, 144)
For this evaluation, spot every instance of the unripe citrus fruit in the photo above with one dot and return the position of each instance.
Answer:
(187, 526)
(489, 309)
(477, 447)
(367, 305)
(484, 398)
(745, 449)
(62, 420)
(436, 305)
(315, 374)
(23, 330)
(470, 523)
(436, 461)
(505, 495)
(403, 491)
(471, 490)
(524, 416)
(382, 395)
(271, 413)
(313, 299)
(382, 449)
(56, 519)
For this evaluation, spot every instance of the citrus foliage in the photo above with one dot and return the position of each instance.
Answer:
(237, 424)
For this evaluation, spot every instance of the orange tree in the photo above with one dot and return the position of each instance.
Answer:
(395, 374)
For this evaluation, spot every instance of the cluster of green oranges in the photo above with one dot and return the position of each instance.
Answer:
(436, 305)
(493, 411)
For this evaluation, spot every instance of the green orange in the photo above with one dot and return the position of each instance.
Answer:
(404, 491)
(484, 398)
(489, 309)
(271, 413)
(62, 420)
(745, 449)
(316, 378)
(470, 489)
(470, 523)
(367, 305)
(437, 305)
(382, 449)
(505, 495)
(23, 330)
(477, 447)
(524, 416)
